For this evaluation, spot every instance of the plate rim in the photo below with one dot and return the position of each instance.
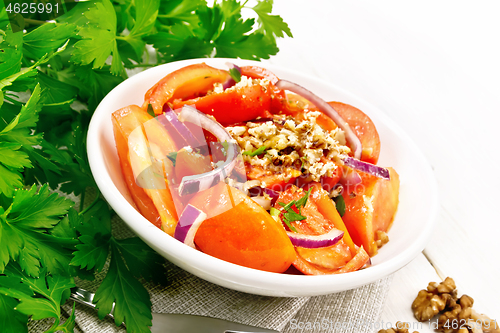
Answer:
(231, 275)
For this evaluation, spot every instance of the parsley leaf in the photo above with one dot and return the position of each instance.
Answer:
(95, 234)
(141, 259)
(98, 38)
(235, 74)
(132, 303)
(12, 320)
(289, 214)
(11, 55)
(38, 297)
(93, 250)
(16, 139)
(36, 209)
(256, 152)
(24, 236)
(172, 156)
(272, 25)
(303, 201)
(145, 16)
(150, 111)
(340, 205)
(47, 38)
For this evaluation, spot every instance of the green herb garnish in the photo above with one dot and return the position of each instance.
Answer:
(235, 74)
(150, 111)
(172, 156)
(340, 205)
(225, 145)
(290, 215)
(275, 213)
(256, 152)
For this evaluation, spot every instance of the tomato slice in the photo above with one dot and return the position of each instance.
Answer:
(233, 105)
(189, 162)
(329, 258)
(257, 72)
(278, 96)
(244, 234)
(276, 182)
(188, 82)
(322, 216)
(371, 207)
(141, 200)
(363, 127)
(329, 210)
(358, 261)
(140, 137)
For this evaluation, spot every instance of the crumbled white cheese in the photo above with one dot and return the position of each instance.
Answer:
(236, 131)
(294, 147)
(368, 203)
(264, 131)
(245, 81)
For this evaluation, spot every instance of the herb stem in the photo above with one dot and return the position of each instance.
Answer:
(145, 65)
(34, 22)
(97, 197)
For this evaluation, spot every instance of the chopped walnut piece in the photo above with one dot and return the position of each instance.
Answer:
(447, 286)
(486, 324)
(457, 315)
(427, 304)
(381, 238)
(435, 299)
(401, 327)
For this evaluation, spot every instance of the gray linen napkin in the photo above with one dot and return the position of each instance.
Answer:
(351, 311)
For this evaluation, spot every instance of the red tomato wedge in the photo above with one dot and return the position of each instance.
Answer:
(276, 182)
(244, 234)
(233, 105)
(327, 207)
(370, 208)
(143, 202)
(358, 261)
(185, 83)
(257, 72)
(139, 136)
(319, 220)
(363, 127)
(278, 96)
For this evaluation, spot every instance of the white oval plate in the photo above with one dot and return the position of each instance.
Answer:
(408, 236)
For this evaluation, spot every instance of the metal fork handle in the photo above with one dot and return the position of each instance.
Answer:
(86, 297)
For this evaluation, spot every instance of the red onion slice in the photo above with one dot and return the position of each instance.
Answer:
(171, 122)
(350, 178)
(312, 242)
(231, 82)
(328, 110)
(189, 222)
(197, 183)
(368, 168)
(258, 190)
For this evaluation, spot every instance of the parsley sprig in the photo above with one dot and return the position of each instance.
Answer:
(52, 77)
(290, 215)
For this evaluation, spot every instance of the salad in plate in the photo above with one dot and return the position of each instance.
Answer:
(257, 171)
